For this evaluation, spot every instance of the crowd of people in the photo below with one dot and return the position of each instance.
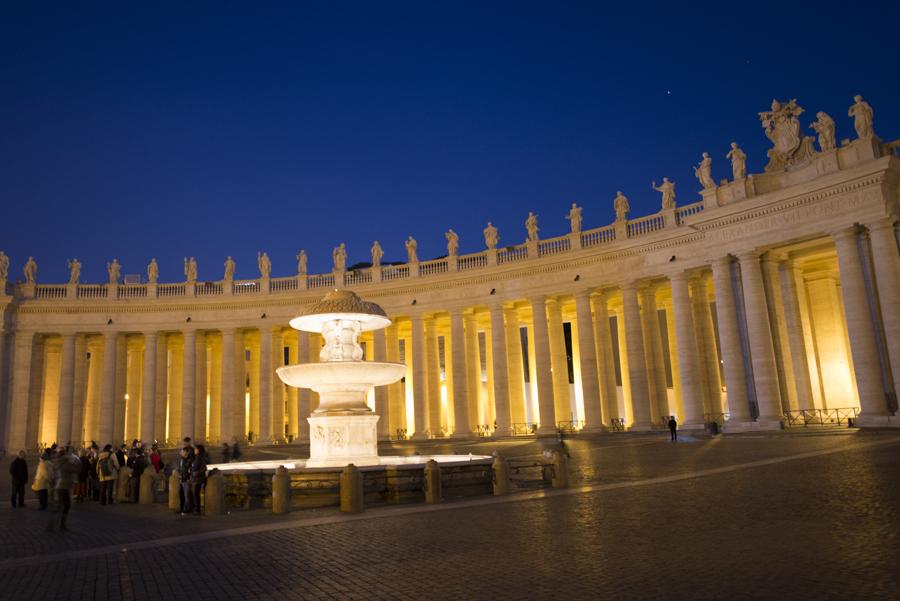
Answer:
(108, 475)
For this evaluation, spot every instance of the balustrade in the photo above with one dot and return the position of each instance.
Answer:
(50, 291)
(472, 261)
(553, 246)
(601, 235)
(395, 272)
(170, 290)
(91, 291)
(132, 291)
(681, 213)
(511, 254)
(209, 289)
(324, 280)
(645, 225)
(433, 267)
(283, 284)
(246, 287)
(358, 276)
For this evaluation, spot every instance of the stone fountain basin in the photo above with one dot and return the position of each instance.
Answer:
(346, 375)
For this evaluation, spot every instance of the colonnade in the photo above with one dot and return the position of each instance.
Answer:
(751, 336)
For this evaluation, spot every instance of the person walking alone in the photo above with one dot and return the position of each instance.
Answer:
(673, 428)
(18, 471)
(66, 466)
(107, 472)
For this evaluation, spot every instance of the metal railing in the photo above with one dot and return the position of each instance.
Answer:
(524, 428)
(617, 424)
(820, 417)
(570, 426)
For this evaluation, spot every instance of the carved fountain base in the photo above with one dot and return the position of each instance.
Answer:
(337, 440)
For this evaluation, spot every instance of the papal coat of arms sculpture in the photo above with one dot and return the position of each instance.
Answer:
(783, 128)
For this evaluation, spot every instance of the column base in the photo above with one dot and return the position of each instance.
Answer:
(593, 430)
(544, 432)
(877, 421)
(641, 427)
(692, 427)
(734, 427)
(419, 436)
(461, 436)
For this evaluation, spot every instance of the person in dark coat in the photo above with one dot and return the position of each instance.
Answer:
(198, 474)
(673, 428)
(185, 495)
(18, 470)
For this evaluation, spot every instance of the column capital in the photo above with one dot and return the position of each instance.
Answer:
(749, 255)
(630, 285)
(150, 333)
(774, 256)
(723, 261)
(888, 222)
(679, 276)
(844, 234)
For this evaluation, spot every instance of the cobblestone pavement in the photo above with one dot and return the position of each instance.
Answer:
(781, 516)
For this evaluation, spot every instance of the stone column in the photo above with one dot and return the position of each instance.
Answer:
(266, 374)
(606, 357)
(732, 355)
(304, 395)
(886, 260)
(293, 394)
(590, 383)
(227, 426)
(420, 386)
(95, 379)
(706, 337)
(653, 353)
(277, 385)
(637, 369)
(121, 389)
(36, 389)
(473, 369)
(162, 387)
(381, 392)
(783, 359)
(148, 388)
(461, 428)
(542, 367)
(188, 383)
(762, 351)
(108, 388)
(872, 400)
(66, 390)
(500, 370)
(21, 389)
(433, 369)
(796, 339)
(214, 350)
(562, 404)
(79, 395)
(516, 365)
(202, 389)
(133, 377)
(688, 361)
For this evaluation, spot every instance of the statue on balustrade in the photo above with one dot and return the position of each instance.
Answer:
(531, 225)
(862, 117)
(491, 236)
(4, 268)
(703, 172)
(411, 250)
(301, 262)
(190, 270)
(74, 271)
(30, 270)
(229, 269)
(667, 189)
(738, 162)
(114, 270)
(452, 242)
(825, 128)
(377, 253)
(782, 127)
(152, 271)
(265, 265)
(574, 218)
(620, 204)
(339, 255)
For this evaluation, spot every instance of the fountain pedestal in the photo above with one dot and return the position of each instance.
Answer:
(336, 440)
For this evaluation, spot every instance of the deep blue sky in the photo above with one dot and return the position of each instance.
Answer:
(139, 130)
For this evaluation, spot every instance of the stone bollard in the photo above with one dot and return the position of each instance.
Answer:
(501, 475)
(281, 490)
(122, 484)
(214, 495)
(175, 491)
(560, 469)
(351, 490)
(145, 490)
(432, 482)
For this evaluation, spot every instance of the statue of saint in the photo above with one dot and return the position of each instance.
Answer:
(377, 253)
(229, 269)
(4, 268)
(339, 255)
(574, 218)
(114, 270)
(825, 128)
(704, 172)
(74, 271)
(491, 236)
(738, 162)
(301, 262)
(265, 265)
(620, 204)
(190, 270)
(452, 242)
(862, 117)
(411, 248)
(667, 189)
(531, 226)
(152, 271)
(30, 270)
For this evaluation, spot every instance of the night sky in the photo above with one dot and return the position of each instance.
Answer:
(138, 130)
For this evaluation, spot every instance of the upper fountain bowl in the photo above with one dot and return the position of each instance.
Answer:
(341, 304)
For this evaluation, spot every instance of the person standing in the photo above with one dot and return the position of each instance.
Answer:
(107, 472)
(65, 469)
(18, 471)
(186, 495)
(198, 475)
(41, 484)
(673, 428)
